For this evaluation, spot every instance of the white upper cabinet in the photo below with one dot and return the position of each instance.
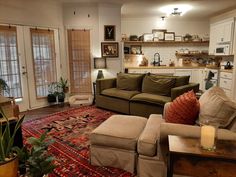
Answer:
(221, 32)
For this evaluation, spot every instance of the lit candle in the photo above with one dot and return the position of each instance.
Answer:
(208, 137)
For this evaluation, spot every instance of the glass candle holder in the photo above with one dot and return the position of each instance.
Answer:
(208, 136)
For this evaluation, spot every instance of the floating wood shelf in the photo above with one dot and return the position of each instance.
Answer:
(204, 43)
(190, 54)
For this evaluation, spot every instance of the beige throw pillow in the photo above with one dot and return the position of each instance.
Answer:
(216, 107)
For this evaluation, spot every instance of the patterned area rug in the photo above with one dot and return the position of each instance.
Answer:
(70, 130)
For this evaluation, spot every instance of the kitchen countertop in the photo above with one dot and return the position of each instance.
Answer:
(226, 70)
(172, 67)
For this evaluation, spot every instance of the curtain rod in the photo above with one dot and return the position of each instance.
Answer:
(28, 25)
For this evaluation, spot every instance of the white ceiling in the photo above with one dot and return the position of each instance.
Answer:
(202, 9)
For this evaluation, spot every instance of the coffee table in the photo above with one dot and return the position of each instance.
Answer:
(187, 158)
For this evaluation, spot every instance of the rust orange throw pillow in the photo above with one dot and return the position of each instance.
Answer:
(183, 110)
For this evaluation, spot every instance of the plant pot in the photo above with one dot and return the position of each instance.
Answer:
(61, 97)
(51, 98)
(66, 89)
(9, 168)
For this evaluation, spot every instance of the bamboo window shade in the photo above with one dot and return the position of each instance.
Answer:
(9, 61)
(79, 61)
(44, 60)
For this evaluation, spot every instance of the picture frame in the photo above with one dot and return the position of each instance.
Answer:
(169, 36)
(147, 37)
(158, 34)
(178, 38)
(136, 49)
(109, 32)
(110, 49)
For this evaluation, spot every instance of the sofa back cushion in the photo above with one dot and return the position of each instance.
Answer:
(129, 82)
(183, 110)
(180, 80)
(217, 108)
(157, 84)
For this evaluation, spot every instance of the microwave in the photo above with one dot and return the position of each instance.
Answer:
(222, 49)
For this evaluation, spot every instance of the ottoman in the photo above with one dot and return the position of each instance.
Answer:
(114, 142)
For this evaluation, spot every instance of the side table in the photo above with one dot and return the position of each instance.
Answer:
(186, 157)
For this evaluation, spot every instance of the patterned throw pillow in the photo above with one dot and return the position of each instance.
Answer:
(183, 110)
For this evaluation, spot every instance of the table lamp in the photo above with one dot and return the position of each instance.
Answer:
(100, 63)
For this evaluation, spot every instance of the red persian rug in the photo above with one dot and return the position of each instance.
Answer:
(70, 130)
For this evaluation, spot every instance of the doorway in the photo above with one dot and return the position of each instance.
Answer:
(29, 61)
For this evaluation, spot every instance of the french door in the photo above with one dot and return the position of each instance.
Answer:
(29, 61)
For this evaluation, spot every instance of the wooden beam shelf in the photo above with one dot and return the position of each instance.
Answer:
(201, 43)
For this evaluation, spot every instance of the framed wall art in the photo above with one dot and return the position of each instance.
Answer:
(158, 34)
(169, 36)
(110, 49)
(136, 49)
(109, 32)
(178, 38)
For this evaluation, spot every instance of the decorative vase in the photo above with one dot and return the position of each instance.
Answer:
(9, 168)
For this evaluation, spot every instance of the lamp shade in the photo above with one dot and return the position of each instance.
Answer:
(100, 63)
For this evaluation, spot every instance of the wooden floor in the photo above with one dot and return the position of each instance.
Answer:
(41, 112)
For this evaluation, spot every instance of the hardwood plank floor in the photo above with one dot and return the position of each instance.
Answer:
(41, 112)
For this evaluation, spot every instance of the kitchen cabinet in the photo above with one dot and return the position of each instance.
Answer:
(226, 82)
(220, 33)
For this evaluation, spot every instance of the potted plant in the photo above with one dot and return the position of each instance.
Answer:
(3, 86)
(8, 159)
(35, 158)
(51, 92)
(63, 83)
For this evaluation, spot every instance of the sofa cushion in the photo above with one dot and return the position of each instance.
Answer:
(129, 82)
(180, 80)
(216, 107)
(147, 143)
(117, 93)
(183, 110)
(151, 98)
(158, 85)
(119, 131)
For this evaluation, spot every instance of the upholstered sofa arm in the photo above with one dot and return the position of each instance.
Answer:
(190, 131)
(147, 142)
(175, 92)
(102, 84)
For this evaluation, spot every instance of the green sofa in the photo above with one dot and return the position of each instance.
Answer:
(140, 94)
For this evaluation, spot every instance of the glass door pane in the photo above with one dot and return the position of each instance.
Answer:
(44, 60)
(9, 61)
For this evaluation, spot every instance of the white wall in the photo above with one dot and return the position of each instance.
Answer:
(100, 15)
(110, 14)
(139, 26)
(46, 13)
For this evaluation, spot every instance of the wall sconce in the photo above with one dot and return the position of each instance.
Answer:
(100, 63)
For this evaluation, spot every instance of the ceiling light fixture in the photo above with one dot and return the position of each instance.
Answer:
(163, 18)
(175, 10)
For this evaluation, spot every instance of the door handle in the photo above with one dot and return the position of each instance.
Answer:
(24, 73)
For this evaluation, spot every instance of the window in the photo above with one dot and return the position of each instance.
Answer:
(44, 60)
(9, 61)
(79, 61)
